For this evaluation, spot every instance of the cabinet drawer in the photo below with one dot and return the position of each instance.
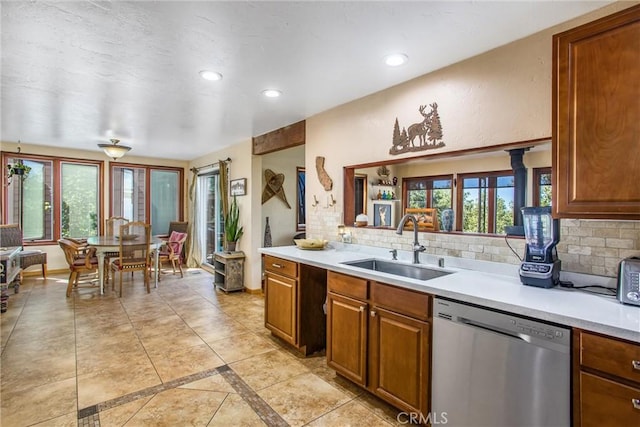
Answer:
(607, 403)
(347, 285)
(615, 357)
(404, 301)
(281, 266)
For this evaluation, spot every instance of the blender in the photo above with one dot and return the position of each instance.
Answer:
(541, 266)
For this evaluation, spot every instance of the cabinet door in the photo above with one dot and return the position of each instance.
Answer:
(280, 307)
(347, 337)
(399, 360)
(596, 119)
(607, 403)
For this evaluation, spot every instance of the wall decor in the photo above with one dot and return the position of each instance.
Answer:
(238, 187)
(427, 219)
(323, 176)
(273, 187)
(428, 133)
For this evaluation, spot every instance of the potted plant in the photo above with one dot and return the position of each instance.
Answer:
(19, 169)
(232, 230)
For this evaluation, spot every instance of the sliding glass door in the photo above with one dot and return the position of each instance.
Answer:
(209, 216)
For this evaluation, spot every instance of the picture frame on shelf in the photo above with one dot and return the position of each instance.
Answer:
(238, 187)
(427, 219)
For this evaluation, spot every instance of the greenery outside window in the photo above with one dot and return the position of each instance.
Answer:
(60, 198)
(428, 192)
(542, 187)
(486, 202)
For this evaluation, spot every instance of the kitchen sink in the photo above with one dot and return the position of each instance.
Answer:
(406, 270)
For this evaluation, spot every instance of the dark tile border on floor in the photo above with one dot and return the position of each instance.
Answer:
(259, 406)
(90, 416)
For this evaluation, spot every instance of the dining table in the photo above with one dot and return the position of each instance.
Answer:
(105, 244)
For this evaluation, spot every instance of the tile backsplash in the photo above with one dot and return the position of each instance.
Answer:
(586, 246)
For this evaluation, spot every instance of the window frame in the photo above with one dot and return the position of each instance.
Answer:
(537, 175)
(147, 183)
(56, 190)
(491, 211)
(429, 195)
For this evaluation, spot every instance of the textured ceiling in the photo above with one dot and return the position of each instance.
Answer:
(77, 73)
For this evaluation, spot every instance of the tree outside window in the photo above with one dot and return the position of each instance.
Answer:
(486, 202)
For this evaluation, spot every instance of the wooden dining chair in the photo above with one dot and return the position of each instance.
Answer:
(134, 252)
(112, 229)
(81, 260)
(171, 251)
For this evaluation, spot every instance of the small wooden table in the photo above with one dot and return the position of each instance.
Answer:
(104, 244)
(229, 270)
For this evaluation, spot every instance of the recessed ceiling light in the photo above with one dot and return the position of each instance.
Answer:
(210, 75)
(396, 59)
(271, 93)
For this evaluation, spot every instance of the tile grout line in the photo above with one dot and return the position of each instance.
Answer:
(259, 406)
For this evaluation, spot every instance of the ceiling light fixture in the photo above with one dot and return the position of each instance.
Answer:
(396, 59)
(271, 93)
(114, 150)
(210, 75)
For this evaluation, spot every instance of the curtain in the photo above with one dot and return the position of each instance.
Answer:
(224, 192)
(194, 247)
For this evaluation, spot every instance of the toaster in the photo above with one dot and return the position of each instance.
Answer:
(629, 281)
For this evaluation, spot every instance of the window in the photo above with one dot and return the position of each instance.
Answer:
(59, 198)
(542, 187)
(146, 193)
(486, 202)
(79, 201)
(428, 192)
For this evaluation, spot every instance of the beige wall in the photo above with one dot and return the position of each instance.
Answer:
(498, 97)
(244, 165)
(282, 220)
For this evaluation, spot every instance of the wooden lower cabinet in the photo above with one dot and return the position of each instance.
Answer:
(606, 381)
(347, 337)
(399, 355)
(280, 306)
(294, 295)
(377, 345)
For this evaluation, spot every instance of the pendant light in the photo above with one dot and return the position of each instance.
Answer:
(114, 150)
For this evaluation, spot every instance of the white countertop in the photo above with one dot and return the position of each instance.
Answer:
(488, 284)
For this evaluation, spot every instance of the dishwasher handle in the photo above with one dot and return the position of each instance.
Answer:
(555, 346)
(490, 328)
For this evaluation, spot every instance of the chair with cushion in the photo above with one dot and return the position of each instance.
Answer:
(134, 252)
(81, 260)
(11, 236)
(172, 251)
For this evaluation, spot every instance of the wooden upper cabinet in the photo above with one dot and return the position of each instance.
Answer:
(596, 119)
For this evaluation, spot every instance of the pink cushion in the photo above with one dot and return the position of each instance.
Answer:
(175, 241)
(176, 236)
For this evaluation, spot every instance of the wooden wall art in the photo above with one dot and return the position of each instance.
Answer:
(427, 219)
(323, 176)
(428, 133)
(273, 187)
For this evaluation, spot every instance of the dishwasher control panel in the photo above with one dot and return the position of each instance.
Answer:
(500, 322)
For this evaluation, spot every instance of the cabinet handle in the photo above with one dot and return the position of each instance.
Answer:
(362, 308)
(636, 364)
(635, 403)
(276, 265)
(373, 313)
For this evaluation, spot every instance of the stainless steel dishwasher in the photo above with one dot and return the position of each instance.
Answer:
(497, 369)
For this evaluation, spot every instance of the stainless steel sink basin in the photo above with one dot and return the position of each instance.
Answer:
(406, 270)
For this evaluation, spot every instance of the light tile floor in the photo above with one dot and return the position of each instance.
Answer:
(186, 354)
